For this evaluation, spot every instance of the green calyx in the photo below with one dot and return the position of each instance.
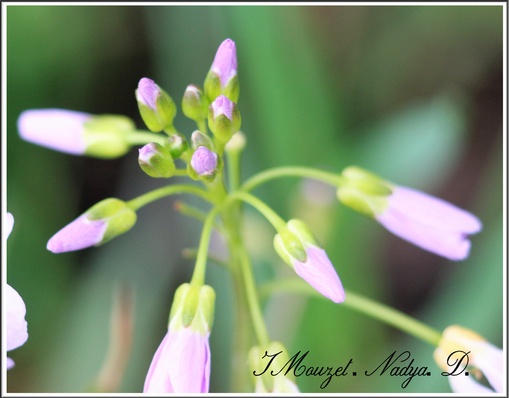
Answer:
(157, 161)
(106, 136)
(363, 191)
(119, 217)
(193, 306)
(194, 104)
(160, 118)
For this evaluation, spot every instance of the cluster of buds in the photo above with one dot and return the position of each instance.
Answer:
(182, 362)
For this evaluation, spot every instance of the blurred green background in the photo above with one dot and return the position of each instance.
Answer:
(413, 93)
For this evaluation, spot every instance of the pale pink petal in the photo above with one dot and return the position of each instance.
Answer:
(181, 364)
(463, 384)
(490, 360)
(9, 223)
(158, 377)
(222, 106)
(319, 272)
(58, 129)
(148, 92)
(17, 333)
(429, 223)
(204, 161)
(79, 234)
(225, 61)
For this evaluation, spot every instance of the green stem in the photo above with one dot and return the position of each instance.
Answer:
(200, 267)
(291, 171)
(277, 222)
(142, 137)
(392, 317)
(159, 193)
(252, 298)
(202, 126)
(233, 170)
(362, 304)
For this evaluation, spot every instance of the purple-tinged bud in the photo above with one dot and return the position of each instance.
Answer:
(156, 161)
(224, 119)
(204, 164)
(156, 107)
(222, 77)
(199, 139)
(194, 104)
(77, 133)
(297, 246)
(176, 145)
(102, 222)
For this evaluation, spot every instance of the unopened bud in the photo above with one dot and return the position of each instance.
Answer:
(194, 104)
(222, 78)
(224, 119)
(156, 107)
(156, 161)
(102, 222)
(204, 164)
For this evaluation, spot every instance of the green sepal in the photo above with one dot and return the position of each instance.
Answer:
(194, 104)
(106, 136)
(118, 216)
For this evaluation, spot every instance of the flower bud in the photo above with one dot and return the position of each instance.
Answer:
(156, 107)
(237, 143)
(176, 145)
(222, 77)
(77, 133)
(194, 104)
(199, 139)
(224, 119)
(156, 161)
(204, 164)
(265, 360)
(460, 347)
(428, 222)
(181, 364)
(102, 222)
(297, 246)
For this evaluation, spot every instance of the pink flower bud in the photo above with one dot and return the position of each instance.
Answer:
(148, 92)
(225, 61)
(204, 161)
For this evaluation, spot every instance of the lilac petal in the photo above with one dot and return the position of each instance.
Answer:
(9, 223)
(467, 384)
(148, 92)
(158, 379)
(319, 272)
(225, 61)
(79, 234)
(58, 129)
(10, 363)
(490, 360)
(204, 161)
(430, 223)
(17, 333)
(181, 364)
(222, 106)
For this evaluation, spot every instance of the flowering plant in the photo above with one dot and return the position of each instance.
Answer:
(208, 158)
